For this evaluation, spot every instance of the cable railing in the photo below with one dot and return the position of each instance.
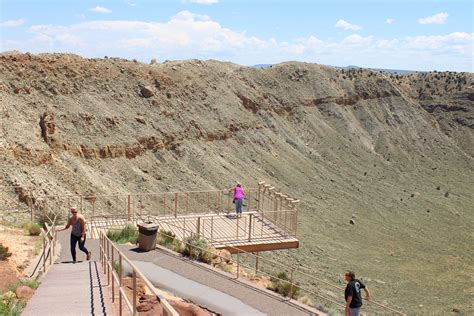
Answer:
(112, 260)
(296, 277)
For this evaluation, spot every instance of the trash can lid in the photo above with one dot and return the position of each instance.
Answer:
(148, 226)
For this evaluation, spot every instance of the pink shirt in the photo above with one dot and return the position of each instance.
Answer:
(238, 193)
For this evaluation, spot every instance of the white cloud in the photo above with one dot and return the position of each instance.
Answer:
(356, 39)
(389, 20)
(439, 18)
(205, 2)
(342, 24)
(188, 35)
(12, 23)
(99, 9)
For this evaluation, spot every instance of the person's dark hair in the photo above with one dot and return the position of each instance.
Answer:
(239, 185)
(351, 274)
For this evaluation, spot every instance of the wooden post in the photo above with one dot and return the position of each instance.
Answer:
(249, 201)
(176, 205)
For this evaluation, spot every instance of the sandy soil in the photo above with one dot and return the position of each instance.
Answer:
(22, 248)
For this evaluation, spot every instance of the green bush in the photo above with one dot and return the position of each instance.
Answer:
(10, 305)
(33, 229)
(199, 250)
(4, 253)
(122, 236)
(281, 284)
(31, 283)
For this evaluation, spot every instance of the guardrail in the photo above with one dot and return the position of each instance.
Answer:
(114, 278)
(48, 235)
(296, 277)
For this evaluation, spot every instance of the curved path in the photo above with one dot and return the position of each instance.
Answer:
(218, 284)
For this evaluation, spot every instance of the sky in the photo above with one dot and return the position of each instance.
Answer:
(411, 35)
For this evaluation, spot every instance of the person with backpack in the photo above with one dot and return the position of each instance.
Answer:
(352, 294)
(78, 233)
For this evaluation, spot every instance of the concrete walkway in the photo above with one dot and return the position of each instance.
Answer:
(71, 288)
(262, 300)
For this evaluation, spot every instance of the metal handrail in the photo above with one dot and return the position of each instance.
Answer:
(48, 246)
(107, 250)
(283, 266)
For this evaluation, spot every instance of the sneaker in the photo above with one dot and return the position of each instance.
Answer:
(88, 256)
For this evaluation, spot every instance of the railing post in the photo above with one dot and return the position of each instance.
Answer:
(238, 264)
(256, 262)
(175, 205)
(44, 254)
(291, 283)
(212, 229)
(250, 226)
(120, 284)
(129, 208)
(107, 263)
(198, 225)
(134, 292)
(113, 282)
(164, 203)
(238, 222)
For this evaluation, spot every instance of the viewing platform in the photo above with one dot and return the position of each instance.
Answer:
(269, 220)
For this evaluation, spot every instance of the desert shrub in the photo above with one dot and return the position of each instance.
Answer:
(225, 267)
(33, 229)
(47, 217)
(31, 283)
(281, 284)
(199, 250)
(10, 305)
(4, 253)
(122, 236)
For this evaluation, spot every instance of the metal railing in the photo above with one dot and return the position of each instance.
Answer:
(109, 253)
(48, 236)
(298, 279)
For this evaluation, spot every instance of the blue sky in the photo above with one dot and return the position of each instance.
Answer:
(417, 35)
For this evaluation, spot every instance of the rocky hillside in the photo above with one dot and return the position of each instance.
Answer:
(392, 152)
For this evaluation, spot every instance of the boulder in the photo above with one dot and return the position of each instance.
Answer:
(24, 292)
(147, 91)
(189, 309)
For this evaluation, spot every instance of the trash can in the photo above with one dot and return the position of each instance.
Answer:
(147, 236)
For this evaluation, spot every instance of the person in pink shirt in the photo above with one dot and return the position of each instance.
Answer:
(238, 199)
